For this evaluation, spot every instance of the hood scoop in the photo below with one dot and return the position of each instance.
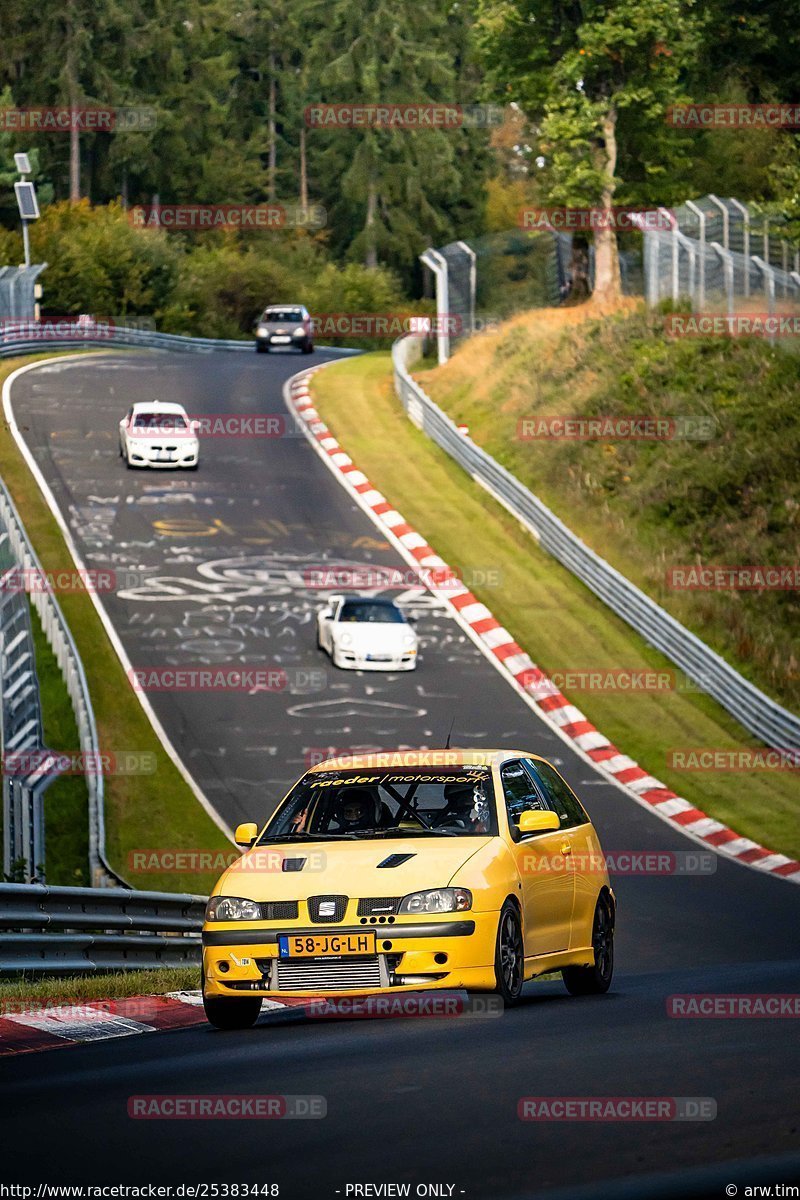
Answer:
(396, 860)
(293, 864)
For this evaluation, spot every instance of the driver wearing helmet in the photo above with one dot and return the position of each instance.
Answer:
(466, 807)
(357, 809)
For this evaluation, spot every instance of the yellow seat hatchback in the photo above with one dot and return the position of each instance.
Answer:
(408, 871)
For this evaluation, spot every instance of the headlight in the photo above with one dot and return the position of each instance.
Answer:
(299, 332)
(437, 900)
(345, 639)
(262, 331)
(409, 639)
(232, 908)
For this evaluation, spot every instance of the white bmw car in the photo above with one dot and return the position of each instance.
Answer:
(154, 434)
(364, 633)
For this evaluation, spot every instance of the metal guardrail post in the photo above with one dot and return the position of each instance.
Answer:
(701, 281)
(745, 211)
(436, 263)
(473, 283)
(769, 284)
(727, 269)
(726, 217)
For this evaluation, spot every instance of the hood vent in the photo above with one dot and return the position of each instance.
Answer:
(293, 864)
(396, 860)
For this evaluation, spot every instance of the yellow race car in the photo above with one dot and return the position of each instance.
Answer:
(407, 871)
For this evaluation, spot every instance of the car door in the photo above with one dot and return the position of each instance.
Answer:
(123, 430)
(543, 863)
(327, 625)
(588, 863)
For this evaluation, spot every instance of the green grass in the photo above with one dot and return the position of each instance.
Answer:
(143, 812)
(553, 617)
(645, 507)
(66, 799)
(75, 989)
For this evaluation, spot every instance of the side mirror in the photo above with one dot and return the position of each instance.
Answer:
(538, 821)
(246, 834)
(326, 614)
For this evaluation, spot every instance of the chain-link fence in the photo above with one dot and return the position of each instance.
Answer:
(484, 280)
(722, 259)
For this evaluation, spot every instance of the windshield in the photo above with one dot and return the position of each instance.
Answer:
(413, 802)
(283, 314)
(160, 422)
(363, 611)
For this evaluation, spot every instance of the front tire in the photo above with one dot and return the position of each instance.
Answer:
(509, 955)
(262, 348)
(595, 980)
(308, 348)
(232, 1014)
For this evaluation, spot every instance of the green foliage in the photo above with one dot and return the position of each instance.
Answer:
(99, 263)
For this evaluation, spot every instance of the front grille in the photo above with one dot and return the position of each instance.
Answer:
(378, 906)
(344, 974)
(339, 908)
(280, 910)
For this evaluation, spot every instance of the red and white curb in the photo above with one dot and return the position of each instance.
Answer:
(49, 1026)
(499, 646)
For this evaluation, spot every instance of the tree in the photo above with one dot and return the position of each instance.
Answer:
(393, 182)
(597, 77)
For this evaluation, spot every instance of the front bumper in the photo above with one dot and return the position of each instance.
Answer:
(452, 952)
(349, 660)
(170, 457)
(283, 341)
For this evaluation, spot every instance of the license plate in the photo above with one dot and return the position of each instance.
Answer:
(165, 456)
(379, 658)
(324, 945)
(281, 339)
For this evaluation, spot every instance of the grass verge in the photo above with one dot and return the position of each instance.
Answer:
(157, 811)
(17, 992)
(728, 497)
(552, 616)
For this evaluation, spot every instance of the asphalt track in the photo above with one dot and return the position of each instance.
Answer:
(222, 556)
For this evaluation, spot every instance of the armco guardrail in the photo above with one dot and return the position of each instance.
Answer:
(776, 726)
(18, 682)
(99, 929)
(96, 336)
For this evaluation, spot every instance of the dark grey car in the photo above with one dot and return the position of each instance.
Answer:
(285, 325)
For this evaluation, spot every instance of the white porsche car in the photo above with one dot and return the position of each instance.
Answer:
(363, 633)
(155, 434)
